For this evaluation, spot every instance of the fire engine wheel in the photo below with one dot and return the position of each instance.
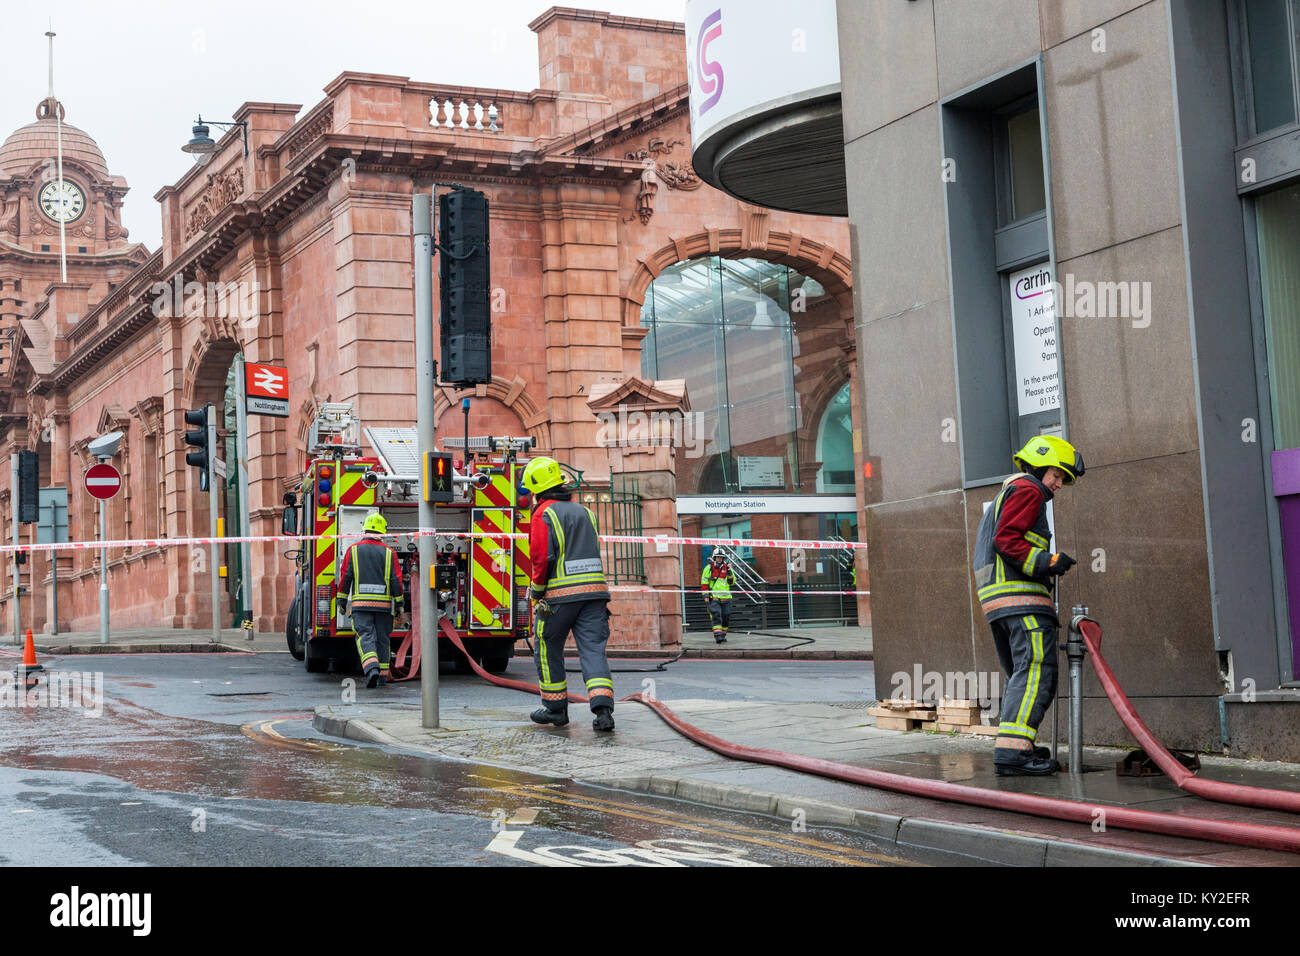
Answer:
(293, 629)
(317, 661)
(496, 663)
(460, 662)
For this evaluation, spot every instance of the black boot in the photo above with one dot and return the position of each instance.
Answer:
(544, 715)
(372, 677)
(604, 719)
(1032, 765)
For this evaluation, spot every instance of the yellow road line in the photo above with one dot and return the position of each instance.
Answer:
(802, 846)
(263, 731)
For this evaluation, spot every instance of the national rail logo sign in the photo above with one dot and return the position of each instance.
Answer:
(267, 389)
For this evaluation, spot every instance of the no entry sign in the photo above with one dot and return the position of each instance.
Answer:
(103, 481)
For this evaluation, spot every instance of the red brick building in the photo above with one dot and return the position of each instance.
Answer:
(299, 254)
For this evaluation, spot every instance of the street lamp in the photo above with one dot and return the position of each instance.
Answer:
(202, 145)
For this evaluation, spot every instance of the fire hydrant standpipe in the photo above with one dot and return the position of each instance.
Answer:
(1122, 818)
(1075, 651)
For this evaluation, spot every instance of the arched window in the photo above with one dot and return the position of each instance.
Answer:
(835, 445)
(730, 328)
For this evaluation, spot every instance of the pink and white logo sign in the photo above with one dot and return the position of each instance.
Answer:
(709, 71)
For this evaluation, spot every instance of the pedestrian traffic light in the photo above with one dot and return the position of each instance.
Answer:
(199, 439)
(464, 277)
(29, 492)
(20, 557)
(439, 487)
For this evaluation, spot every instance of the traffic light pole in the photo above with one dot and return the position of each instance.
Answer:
(212, 522)
(426, 380)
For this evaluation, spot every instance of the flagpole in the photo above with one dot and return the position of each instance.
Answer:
(58, 133)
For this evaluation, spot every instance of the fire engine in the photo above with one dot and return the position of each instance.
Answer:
(480, 575)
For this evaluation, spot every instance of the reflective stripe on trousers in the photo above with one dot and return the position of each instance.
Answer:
(589, 622)
(1026, 646)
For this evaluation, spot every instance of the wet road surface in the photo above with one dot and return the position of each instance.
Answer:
(211, 760)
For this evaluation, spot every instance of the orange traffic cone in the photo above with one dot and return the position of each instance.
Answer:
(26, 671)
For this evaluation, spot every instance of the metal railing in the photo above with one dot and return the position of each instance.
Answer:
(618, 511)
(747, 579)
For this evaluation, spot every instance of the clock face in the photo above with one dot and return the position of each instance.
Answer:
(62, 201)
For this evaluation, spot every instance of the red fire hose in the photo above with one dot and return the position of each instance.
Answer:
(1147, 821)
(1180, 775)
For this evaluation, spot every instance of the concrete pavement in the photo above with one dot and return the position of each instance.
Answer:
(796, 643)
(646, 755)
(158, 640)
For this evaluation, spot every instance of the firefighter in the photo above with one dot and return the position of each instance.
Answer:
(568, 593)
(716, 582)
(1014, 570)
(370, 583)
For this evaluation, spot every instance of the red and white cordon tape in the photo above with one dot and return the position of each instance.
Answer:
(663, 540)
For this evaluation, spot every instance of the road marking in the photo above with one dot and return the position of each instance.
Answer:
(599, 803)
(131, 803)
(263, 731)
(801, 845)
(24, 811)
(523, 816)
(665, 853)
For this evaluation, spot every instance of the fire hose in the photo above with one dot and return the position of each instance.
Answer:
(1182, 777)
(1261, 836)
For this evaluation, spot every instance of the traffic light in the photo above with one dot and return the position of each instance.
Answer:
(439, 488)
(29, 492)
(20, 557)
(199, 439)
(464, 277)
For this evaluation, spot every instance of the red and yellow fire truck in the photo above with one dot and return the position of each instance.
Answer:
(481, 579)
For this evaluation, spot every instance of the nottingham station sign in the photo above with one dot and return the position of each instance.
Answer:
(765, 102)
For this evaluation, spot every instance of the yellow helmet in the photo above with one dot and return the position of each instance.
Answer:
(375, 522)
(542, 474)
(1049, 451)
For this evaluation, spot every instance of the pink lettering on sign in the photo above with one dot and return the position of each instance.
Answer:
(710, 71)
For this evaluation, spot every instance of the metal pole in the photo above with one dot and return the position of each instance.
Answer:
(54, 581)
(212, 522)
(13, 501)
(245, 508)
(103, 569)
(426, 378)
(1076, 650)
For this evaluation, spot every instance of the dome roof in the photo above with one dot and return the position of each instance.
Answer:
(35, 142)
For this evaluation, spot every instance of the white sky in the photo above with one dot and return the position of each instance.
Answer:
(135, 73)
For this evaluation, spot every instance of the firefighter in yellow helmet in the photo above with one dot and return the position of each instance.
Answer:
(716, 581)
(1014, 566)
(370, 585)
(569, 593)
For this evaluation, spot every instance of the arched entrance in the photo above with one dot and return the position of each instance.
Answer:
(761, 346)
(213, 381)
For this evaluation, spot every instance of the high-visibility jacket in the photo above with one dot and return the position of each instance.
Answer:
(565, 552)
(371, 577)
(719, 585)
(1013, 548)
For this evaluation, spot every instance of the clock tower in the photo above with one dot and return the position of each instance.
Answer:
(38, 310)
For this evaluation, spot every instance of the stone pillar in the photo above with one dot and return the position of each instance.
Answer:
(582, 311)
(640, 426)
(268, 458)
(187, 601)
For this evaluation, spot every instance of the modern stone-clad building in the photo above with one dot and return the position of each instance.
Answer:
(1145, 155)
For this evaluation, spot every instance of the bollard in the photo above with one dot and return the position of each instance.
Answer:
(1075, 651)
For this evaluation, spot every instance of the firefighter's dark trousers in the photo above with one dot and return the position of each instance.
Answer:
(373, 629)
(589, 622)
(1026, 646)
(719, 615)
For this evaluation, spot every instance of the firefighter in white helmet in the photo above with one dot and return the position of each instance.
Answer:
(569, 593)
